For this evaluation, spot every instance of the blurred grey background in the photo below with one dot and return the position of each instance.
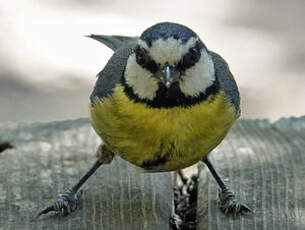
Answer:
(48, 68)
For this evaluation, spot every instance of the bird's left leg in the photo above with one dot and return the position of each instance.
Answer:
(69, 201)
(183, 178)
(228, 202)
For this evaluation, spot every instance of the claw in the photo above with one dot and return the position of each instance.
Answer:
(45, 211)
(65, 203)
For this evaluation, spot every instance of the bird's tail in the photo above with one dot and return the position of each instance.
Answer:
(114, 42)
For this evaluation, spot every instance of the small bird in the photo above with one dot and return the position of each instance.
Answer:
(163, 102)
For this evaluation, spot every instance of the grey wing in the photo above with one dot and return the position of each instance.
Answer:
(114, 42)
(111, 74)
(226, 80)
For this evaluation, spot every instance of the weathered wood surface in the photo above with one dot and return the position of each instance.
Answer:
(49, 158)
(263, 163)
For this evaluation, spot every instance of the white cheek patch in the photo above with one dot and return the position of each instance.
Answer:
(199, 77)
(168, 51)
(140, 79)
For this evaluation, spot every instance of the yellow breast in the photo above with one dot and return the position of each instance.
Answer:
(163, 139)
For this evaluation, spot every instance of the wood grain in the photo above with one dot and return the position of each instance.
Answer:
(49, 158)
(264, 164)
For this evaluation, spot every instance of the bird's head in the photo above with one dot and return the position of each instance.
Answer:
(169, 62)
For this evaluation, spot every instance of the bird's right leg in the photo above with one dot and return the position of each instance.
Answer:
(69, 201)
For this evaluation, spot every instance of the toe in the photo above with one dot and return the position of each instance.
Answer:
(65, 203)
(229, 204)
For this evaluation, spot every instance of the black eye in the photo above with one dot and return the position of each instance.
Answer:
(189, 59)
(141, 55)
(144, 60)
(194, 54)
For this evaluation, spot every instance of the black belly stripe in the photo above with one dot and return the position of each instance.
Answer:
(152, 164)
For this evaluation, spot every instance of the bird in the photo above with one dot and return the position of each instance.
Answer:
(163, 102)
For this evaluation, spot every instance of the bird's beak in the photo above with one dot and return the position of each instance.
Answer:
(169, 75)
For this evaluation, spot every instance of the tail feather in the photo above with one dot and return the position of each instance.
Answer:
(114, 42)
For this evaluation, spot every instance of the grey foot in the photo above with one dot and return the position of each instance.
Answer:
(229, 204)
(65, 203)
